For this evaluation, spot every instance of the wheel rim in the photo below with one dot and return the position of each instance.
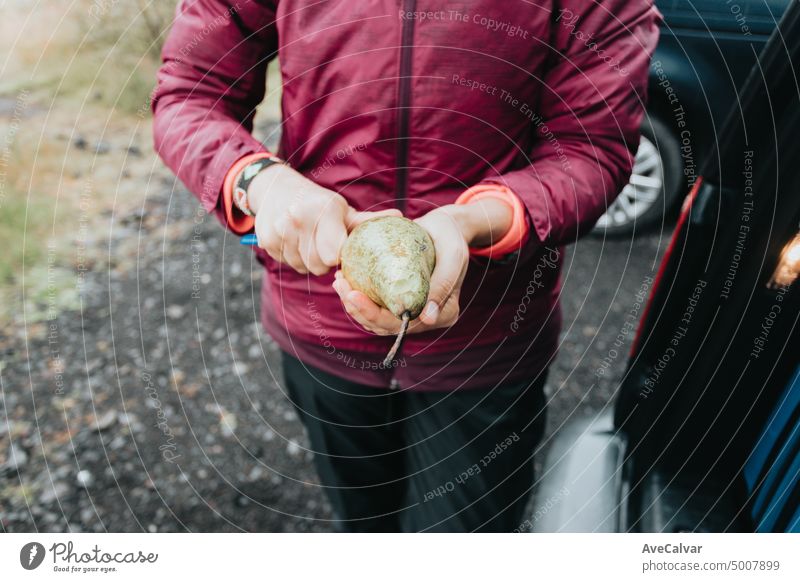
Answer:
(643, 190)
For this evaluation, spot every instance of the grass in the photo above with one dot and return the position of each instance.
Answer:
(23, 227)
(68, 75)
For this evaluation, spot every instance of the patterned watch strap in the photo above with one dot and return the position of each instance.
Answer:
(245, 177)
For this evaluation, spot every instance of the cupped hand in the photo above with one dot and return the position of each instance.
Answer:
(300, 223)
(449, 230)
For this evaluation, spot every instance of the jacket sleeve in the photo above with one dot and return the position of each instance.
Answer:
(591, 109)
(212, 78)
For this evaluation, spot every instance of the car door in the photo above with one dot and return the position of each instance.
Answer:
(712, 370)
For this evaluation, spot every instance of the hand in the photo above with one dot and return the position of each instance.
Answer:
(300, 223)
(452, 229)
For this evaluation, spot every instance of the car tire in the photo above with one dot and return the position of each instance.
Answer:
(643, 206)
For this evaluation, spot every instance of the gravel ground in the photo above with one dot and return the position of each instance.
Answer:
(124, 415)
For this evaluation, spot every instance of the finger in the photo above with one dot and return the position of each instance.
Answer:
(267, 236)
(314, 262)
(289, 251)
(377, 317)
(354, 217)
(365, 311)
(330, 235)
(353, 311)
(302, 223)
(447, 276)
(310, 255)
(446, 316)
(343, 289)
(448, 313)
(341, 286)
(271, 243)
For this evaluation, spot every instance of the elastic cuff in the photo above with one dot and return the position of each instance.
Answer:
(237, 220)
(511, 240)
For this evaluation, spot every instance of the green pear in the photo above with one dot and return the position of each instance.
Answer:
(390, 259)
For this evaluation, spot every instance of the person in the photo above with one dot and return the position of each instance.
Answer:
(504, 129)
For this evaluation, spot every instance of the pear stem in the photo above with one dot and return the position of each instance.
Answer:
(406, 317)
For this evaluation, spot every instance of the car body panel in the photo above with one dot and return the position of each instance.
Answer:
(704, 379)
(772, 471)
(582, 488)
(706, 50)
(706, 57)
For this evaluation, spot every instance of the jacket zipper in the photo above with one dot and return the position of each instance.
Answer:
(404, 105)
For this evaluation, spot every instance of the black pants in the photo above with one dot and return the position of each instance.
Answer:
(420, 461)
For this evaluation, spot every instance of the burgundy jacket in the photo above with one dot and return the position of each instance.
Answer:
(406, 103)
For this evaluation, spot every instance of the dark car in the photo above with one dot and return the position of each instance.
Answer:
(705, 432)
(706, 50)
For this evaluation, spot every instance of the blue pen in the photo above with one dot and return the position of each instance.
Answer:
(249, 239)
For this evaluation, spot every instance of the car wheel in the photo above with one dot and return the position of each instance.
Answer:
(655, 186)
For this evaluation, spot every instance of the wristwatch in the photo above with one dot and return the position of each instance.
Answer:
(245, 177)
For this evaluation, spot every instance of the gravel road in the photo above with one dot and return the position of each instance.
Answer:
(152, 409)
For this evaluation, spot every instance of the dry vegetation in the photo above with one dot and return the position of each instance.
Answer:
(75, 144)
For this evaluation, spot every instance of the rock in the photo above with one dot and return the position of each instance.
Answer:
(293, 449)
(85, 479)
(53, 492)
(102, 147)
(87, 516)
(256, 473)
(16, 458)
(175, 311)
(62, 471)
(127, 418)
(228, 423)
(104, 421)
(135, 151)
(80, 142)
(118, 443)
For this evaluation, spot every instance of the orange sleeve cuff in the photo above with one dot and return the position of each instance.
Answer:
(511, 240)
(237, 220)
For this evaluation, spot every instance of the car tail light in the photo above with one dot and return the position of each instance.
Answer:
(788, 267)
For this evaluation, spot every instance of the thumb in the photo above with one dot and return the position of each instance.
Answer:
(444, 286)
(353, 217)
(447, 277)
